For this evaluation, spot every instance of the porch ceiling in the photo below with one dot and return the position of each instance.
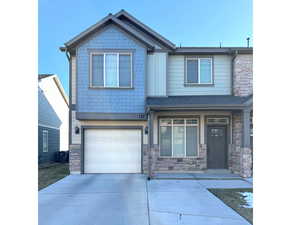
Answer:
(199, 102)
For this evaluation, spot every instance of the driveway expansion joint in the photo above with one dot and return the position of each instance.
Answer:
(148, 203)
(180, 214)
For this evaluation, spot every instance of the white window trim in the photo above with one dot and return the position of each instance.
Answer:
(104, 71)
(46, 133)
(199, 76)
(172, 136)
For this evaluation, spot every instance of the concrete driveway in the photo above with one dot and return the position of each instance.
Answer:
(129, 199)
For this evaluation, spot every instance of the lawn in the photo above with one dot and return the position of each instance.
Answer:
(51, 173)
(240, 200)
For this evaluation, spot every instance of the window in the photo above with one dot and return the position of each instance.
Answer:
(45, 141)
(198, 71)
(111, 70)
(179, 137)
(217, 120)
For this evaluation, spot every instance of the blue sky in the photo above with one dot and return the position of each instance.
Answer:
(185, 22)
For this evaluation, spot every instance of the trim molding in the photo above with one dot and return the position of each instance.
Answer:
(196, 106)
(48, 126)
(110, 116)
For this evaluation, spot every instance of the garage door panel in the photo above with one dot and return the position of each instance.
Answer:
(112, 151)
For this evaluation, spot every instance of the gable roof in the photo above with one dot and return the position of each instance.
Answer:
(42, 76)
(46, 113)
(58, 84)
(145, 28)
(101, 24)
(143, 33)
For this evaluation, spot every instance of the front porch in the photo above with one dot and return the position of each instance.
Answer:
(208, 174)
(192, 140)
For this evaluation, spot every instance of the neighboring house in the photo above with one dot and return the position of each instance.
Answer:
(53, 117)
(139, 104)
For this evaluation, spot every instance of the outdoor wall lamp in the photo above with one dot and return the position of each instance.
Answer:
(146, 130)
(77, 130)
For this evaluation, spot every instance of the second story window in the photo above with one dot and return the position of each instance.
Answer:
(198, 71)
(111, 70)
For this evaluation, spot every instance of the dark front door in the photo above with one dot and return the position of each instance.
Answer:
(216, 147)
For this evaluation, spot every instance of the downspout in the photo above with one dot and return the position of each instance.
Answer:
(234, 55)
(67, 54)
(65, 49)
(150, 142)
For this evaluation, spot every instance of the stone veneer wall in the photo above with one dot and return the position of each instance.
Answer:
(243, 75)
(246, 161)
(240, 161)
(75, 158)
(163, 164)
(235, 148)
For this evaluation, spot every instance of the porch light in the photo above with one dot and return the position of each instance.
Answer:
(77, 130)
(146, 130)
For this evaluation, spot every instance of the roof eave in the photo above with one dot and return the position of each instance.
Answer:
(197, 106)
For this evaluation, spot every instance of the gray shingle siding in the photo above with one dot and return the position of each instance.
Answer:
(221, 76)
(46, 113)
(111, 100)
(53, 144)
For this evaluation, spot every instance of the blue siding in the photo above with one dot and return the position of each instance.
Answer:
(111, 100)
(53, 144)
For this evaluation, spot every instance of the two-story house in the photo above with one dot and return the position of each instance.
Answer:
(139, 104)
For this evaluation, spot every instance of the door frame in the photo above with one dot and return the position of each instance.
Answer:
(228, 133)
(83, 128)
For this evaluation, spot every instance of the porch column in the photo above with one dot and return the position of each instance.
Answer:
(246, 152)
(246, 128)
(150, 144)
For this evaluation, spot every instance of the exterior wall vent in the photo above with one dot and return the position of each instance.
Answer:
(140, 116)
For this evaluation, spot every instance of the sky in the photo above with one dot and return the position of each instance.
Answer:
(196, 23)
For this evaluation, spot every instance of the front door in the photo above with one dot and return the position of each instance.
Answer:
(216, 147)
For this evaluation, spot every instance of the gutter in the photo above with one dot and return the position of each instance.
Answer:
(65, 49)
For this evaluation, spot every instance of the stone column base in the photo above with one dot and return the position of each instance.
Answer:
(75, 159)
(246, 162)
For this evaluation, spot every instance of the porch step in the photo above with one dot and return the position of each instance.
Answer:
(197, 176)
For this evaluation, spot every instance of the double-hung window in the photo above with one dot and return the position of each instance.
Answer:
(111, 70)
(45, 141)
(179, 137)
(198, 71)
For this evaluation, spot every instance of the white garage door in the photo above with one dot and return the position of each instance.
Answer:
(112, 151)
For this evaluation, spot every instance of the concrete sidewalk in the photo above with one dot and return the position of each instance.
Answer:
(129, 199)
(189, 202)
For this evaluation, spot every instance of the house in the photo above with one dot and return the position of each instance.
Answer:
(139, 104)
(53, 117)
